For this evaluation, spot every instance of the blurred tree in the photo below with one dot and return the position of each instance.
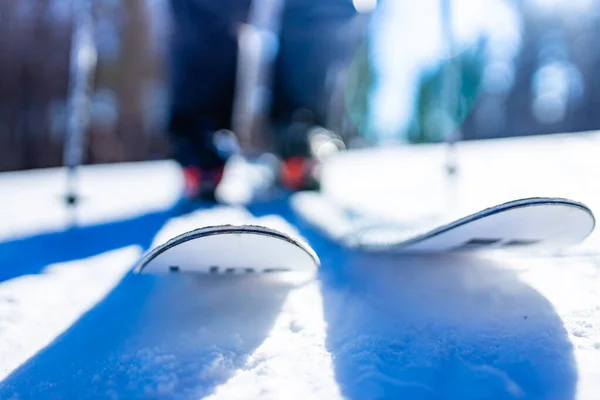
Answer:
(33, 73)
(359, 83)
(35, 40)
(133, 76)
(436, 117)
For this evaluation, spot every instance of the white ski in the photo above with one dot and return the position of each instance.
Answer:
(230, 249)
(539, 223)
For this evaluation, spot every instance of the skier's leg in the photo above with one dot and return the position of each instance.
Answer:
(318, 40)
(202, 58)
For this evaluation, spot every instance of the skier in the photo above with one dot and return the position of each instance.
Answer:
(314, 36)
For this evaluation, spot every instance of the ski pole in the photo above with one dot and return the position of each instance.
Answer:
(450, 99)
(82, 68)
(451, 86)
(257, 50)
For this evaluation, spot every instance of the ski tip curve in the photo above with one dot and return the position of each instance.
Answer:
(249, 252)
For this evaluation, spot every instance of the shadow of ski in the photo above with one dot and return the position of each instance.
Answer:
(151, 336)
(30, 255)
(443, 327)
(397, 327)
(449, 326)
(165, 337)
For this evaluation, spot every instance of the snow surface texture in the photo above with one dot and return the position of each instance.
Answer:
(75, 323)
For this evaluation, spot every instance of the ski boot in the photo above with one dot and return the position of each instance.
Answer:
(202, 169)
(201, 184)
(303, 151)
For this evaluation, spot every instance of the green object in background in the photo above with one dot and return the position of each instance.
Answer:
(445, 96)
(360, 80)
(439, 112)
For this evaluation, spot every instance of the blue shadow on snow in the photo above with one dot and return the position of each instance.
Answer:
(151, 336)
(452, 327)
(30, 255)
(445, 327)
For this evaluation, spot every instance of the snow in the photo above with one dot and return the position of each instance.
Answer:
(36, 309)
(75, 323)
(107, 192)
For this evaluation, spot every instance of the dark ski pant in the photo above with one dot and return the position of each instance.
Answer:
(314, 36)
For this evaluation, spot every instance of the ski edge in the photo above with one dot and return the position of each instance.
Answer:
(223, 230)
(509, 205)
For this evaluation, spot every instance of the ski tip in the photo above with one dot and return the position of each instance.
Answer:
(231, 249)
(532, 201)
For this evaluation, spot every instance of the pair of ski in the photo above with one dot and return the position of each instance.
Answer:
(525, 224)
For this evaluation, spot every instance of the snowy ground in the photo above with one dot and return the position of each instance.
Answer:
(74, 323)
